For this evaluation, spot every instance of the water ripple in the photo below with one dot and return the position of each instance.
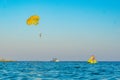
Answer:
(59, 71)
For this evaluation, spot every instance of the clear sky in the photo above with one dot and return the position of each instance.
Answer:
(71, 29)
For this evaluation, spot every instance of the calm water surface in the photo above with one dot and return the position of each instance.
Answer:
(36, 70)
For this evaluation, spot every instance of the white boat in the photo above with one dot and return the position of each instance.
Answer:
(55, 60)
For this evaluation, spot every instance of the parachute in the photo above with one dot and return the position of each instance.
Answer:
(33, 20)
(92, 60)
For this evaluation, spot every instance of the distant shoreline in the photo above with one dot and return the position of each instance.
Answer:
(58, 62)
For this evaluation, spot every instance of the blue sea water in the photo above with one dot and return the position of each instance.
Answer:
(72, 70)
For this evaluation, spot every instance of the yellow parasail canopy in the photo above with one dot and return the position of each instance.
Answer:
(92, 60)
(33, 20)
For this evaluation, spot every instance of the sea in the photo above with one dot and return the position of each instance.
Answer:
(64, 70)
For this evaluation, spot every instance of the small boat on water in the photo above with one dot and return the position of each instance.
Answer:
(92, 60)
(55, 60)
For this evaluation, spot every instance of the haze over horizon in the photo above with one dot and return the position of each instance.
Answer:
(71, 30)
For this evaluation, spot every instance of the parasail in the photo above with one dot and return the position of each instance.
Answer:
(33, 20)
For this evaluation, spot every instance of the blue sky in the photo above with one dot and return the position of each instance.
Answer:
(71, 29)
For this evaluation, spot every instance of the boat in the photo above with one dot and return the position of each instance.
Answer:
(55, 60)
(92, 60)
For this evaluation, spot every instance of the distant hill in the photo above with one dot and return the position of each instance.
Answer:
(5, 60)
